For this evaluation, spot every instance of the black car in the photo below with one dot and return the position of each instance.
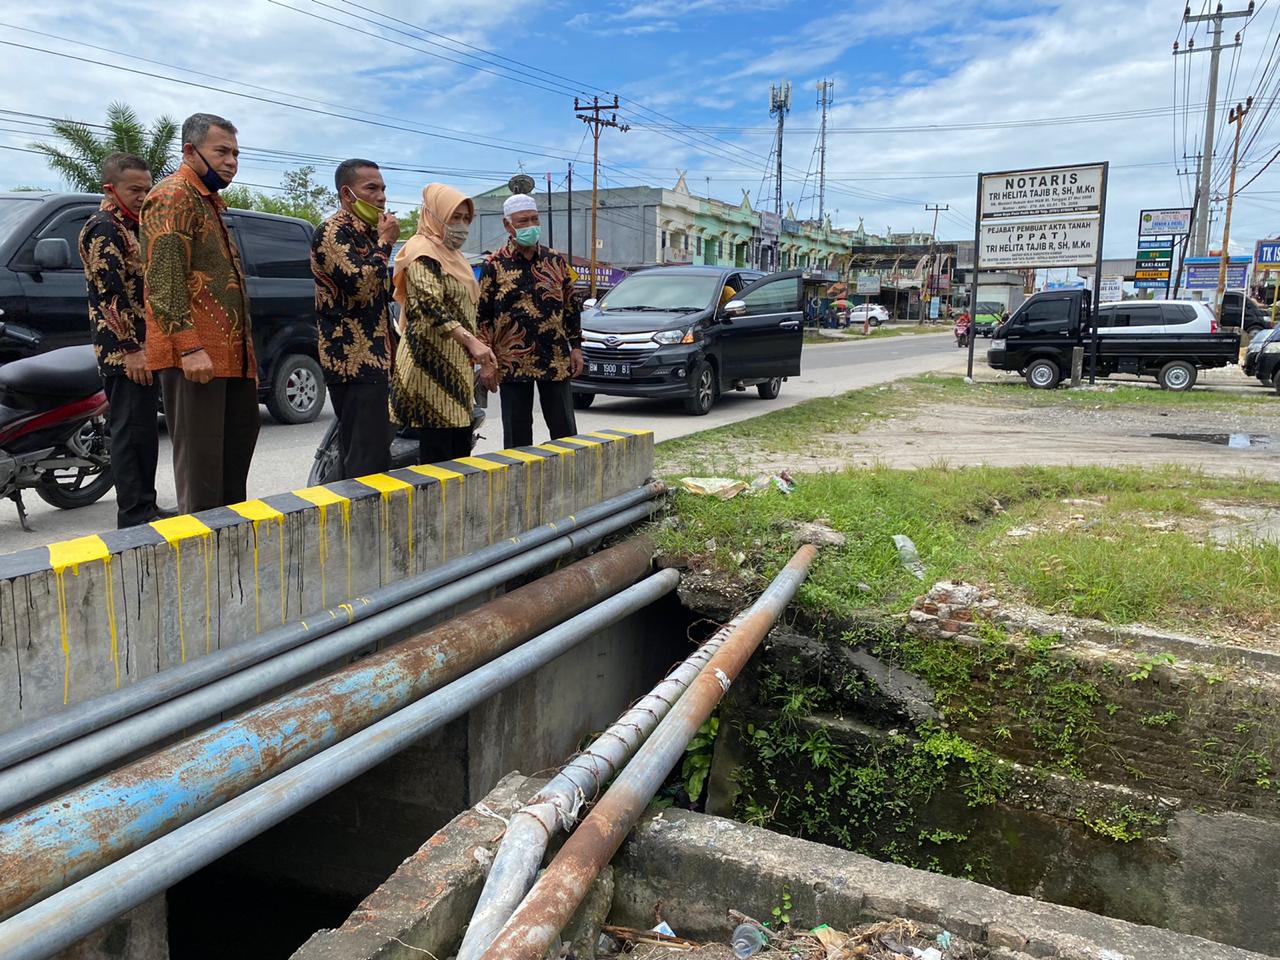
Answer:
(1042, 336)
(1267, 365)
(672, 332)
(1237, 309)
(42, 289)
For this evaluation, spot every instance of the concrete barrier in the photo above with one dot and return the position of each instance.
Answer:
(83, 617)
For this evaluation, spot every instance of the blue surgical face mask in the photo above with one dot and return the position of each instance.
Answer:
(528, 236)
(210, 178)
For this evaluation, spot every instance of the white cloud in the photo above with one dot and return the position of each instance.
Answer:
(961, 61)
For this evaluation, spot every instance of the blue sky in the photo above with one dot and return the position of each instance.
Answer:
(695, 79)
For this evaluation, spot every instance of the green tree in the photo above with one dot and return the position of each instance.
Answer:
(409, 223)
(299, 196)
(79, 151)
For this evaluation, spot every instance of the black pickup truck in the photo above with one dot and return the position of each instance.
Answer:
(42, 290)
(1040, 336)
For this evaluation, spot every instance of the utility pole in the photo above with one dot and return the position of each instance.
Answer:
(1236, 118)
(1211, 113)
(1186, 241)
(592, 115)
(826, 89)
(569, 214)
(933, 259)
(551, 219)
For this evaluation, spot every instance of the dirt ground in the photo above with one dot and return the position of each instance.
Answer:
(1007, 436)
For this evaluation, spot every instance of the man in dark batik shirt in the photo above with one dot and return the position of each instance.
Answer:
(530, 318)
(349, 259)
(113, 268)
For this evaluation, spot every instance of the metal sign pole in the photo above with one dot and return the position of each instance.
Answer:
(973, 285)
(1097, 284)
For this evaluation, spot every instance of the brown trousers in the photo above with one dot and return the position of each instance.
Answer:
(214, 428)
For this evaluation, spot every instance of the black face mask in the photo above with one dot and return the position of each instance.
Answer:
(210, 178)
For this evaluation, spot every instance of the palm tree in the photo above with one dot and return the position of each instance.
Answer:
(78, 158)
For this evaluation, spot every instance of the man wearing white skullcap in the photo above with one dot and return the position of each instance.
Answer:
(528, 314)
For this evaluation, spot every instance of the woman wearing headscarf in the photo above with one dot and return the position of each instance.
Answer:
(433, 386)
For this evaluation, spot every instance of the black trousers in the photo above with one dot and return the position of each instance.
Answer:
(135, 447)
(214, 428)
(556, 398)
(437, 444)
(364, 427)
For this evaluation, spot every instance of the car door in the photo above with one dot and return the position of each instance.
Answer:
(277, 260)
(765, 340)
(57, 300)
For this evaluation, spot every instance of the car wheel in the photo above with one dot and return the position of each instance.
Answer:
(1177, 375)
(1275, 381)
(583, 400)
(770, 389)
(297, 390)
(1043, 374)
(702, 387)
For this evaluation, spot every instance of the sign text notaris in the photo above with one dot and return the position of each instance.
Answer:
(1042, 193)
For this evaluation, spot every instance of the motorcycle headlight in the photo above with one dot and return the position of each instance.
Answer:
(675, 336)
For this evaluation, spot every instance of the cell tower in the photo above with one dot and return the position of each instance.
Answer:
(826, 96)
(779, 106)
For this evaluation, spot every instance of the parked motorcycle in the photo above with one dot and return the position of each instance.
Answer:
(326, 468)
(53, 428)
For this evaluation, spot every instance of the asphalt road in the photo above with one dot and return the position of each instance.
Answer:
(284, 453)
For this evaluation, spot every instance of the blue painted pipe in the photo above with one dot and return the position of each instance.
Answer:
(58, 842)
(66, 916)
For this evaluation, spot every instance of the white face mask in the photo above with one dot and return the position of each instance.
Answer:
(455, 235)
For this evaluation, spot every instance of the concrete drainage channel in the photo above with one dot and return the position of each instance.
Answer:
(1109, 788)
(1122, 779)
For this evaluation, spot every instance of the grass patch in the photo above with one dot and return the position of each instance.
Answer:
(955, 390)
(878, 333)
(1113, 566)
(795, 429)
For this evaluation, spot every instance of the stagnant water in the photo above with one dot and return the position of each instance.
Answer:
(1233, 441)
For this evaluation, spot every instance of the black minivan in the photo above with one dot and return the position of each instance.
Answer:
(42, 289)
(674, 332)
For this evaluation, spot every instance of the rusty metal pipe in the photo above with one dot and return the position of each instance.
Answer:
(556, 806)
(67, 916)
(69, 837)
(535, 925)
(84, 718)
(72, 761)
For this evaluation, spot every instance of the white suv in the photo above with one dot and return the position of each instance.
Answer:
(860, 313)
(1130, 317)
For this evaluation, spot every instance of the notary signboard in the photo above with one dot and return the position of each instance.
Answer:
(1023, 244)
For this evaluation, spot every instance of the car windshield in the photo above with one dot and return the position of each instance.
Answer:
(1261, 336)
(995, 308)
(663, 291)
(12, 210)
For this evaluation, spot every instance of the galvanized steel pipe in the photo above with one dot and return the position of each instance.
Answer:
(534, 926)
(67, 916)
(64, 764)
(78, 832)
(97, 713)
(557, 804)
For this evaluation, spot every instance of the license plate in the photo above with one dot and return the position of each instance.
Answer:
(620, 371)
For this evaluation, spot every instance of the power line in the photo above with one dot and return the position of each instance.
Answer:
(279, 103)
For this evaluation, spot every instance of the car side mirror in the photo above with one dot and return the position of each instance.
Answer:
(52, 253)
(590, 303)
(734, 308)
